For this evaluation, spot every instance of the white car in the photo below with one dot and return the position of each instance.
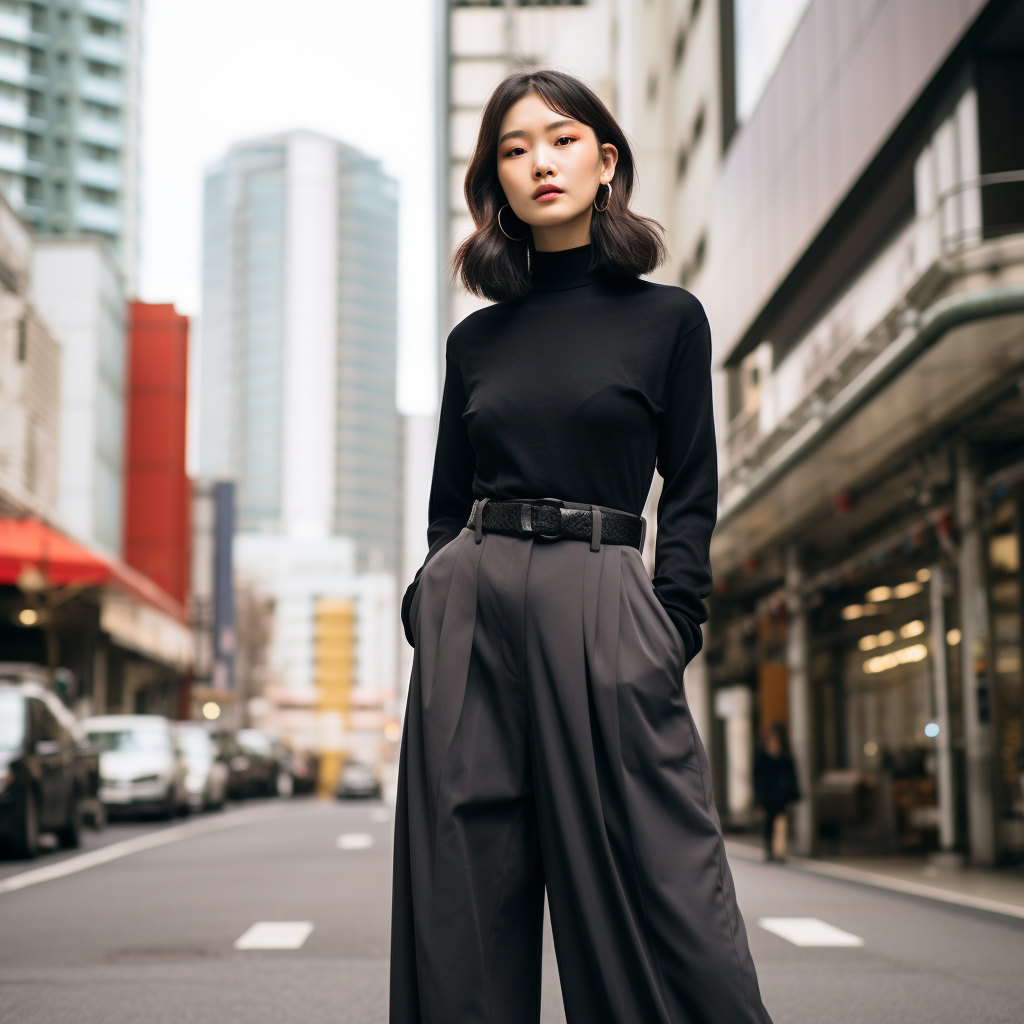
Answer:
(141, 766)
(206, 777)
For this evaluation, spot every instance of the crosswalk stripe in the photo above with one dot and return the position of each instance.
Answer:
(809, 931)
(275, 935)
(354, 841)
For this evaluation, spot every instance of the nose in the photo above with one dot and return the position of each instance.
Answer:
(543, 168)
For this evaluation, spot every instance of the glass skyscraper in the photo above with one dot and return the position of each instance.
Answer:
(298, 343)
(69, 118)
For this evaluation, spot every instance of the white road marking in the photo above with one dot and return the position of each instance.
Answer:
(115, 851)
(809, 931)
(354, 841)
(380, 814)
(275, 935)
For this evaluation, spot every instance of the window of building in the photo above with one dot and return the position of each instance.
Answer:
(652, 87)
(762, 35)
(682, 161)
(98, 27)
(100, 196)
(698, 125)
(33, 190)
(35, 145)
(94, 67)
(100, 110)
(100, 154)
(679, 48)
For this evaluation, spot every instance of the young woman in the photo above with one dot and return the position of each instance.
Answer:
(547, 743)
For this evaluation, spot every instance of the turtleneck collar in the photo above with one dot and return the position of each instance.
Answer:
(567, 268)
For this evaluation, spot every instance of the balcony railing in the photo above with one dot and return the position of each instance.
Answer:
(874, 312)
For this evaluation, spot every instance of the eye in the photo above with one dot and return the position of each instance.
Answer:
(564, 138)
(515, 150)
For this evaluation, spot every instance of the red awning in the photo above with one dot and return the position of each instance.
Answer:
(28, 543)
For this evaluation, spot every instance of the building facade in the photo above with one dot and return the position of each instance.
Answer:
(297, 362)
(157, 520)
(78, 289)
(69, 97)
(859, 233)
(30, 363)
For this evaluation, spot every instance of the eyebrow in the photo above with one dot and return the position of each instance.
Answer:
(519, 133)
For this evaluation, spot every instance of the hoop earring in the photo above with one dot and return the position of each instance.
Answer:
(504, 232)
(601, 209)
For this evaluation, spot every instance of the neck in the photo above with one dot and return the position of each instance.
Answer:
(570, 235)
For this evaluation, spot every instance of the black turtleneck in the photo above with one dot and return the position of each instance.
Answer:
(577, 391)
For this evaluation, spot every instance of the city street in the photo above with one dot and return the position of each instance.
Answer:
(151, 936)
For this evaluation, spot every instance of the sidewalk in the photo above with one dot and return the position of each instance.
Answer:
(997, 890)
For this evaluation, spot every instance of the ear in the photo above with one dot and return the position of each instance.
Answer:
(609, 158)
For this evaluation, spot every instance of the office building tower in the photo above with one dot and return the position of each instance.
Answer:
(297, 362)
(69, 90)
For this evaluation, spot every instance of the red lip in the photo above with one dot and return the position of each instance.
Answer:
(544, 189)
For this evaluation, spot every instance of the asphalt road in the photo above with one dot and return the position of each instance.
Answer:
(150, 937)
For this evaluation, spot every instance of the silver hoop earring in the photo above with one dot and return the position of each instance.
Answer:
(601, 209)
(504, 232)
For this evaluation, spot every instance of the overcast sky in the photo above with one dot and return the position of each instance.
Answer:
(216, 71)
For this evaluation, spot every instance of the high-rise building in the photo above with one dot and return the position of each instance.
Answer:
(482, 40)
(69, 88)
(297, 363)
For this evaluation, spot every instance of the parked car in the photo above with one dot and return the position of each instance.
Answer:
(142, 769)
(48, 776)
(206, 774)
(356, 780)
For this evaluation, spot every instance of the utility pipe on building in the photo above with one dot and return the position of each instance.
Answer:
(943, 719)
(800, 717)
(975, 674)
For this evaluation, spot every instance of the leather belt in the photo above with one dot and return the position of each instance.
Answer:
(552, 519)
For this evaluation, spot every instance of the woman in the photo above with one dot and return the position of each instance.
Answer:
(547, 743)
(775, 786)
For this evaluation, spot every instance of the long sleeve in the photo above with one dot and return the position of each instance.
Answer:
(451, 487)
(688, 462)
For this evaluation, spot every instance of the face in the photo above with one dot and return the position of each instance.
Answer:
(772, 744)
(551, 166)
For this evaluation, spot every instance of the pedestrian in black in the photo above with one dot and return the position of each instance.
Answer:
(547, 742)
(775, 787)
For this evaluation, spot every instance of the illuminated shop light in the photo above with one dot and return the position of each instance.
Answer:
(879, 594)
(28, 616)
(868, 643)
(859, 611)
(871, 748)
(904, 656)
(907, 589)
(1007, 663)
(953, 637)
(211, 710)
(886, 637)
(915, 628)
(931, 730)
(923, 575)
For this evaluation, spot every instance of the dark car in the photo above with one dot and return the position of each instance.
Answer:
(251, 771)
(48, 776)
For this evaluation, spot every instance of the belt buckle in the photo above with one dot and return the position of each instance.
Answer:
(551, 503)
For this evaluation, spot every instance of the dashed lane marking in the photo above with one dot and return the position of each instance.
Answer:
(809, 931)
(275, 935)
(149, 841)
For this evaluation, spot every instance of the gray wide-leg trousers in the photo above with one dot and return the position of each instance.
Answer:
(548, 744)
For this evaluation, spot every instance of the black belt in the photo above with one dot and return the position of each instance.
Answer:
(551, 519)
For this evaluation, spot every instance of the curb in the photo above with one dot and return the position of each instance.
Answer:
(740, 851)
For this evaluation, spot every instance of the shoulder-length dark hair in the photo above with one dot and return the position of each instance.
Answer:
(495, 267)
